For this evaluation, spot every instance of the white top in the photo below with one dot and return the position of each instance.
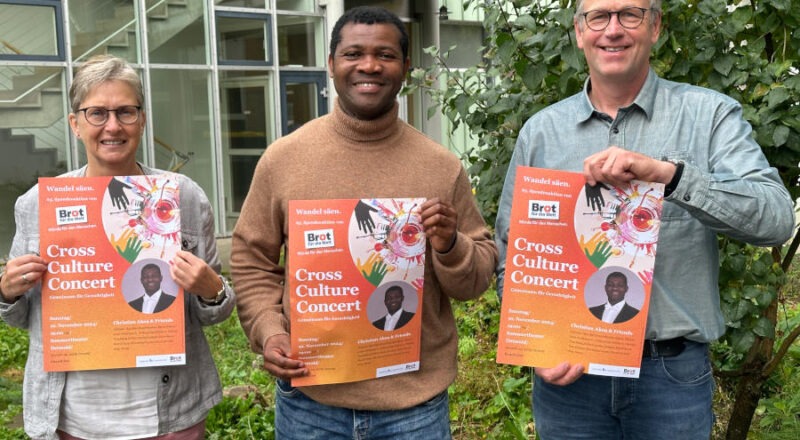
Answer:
(610, 312)
(391, 320)
(150, 301)
(110, 404)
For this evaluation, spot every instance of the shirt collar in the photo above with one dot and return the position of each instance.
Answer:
(395, 314)
(617, 306)
(154, 296)
(81, 172)
(645, 100)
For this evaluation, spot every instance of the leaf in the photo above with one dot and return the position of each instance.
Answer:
(781, 135)
(572, 56)
(736, 311)
(777, 96)
(724, 64)
(525, 21)
(764, 328)
(533, 75)
(743, 342)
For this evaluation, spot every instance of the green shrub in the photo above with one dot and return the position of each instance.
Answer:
(241, 418)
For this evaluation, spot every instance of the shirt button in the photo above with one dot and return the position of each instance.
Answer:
(615, 130)
(165, 378)
(687, 197)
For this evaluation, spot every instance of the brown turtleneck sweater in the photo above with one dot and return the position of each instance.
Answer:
(339, 157)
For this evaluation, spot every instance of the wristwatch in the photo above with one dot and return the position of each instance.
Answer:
(673, 183)
(221, 295)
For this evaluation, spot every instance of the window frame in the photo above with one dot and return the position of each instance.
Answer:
(58, 13)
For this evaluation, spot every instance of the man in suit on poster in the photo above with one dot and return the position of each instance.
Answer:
(154, 299)
(396, 316)
(615, 310)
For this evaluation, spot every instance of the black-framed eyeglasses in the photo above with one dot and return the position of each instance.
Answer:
(97, 116)
(629, 18)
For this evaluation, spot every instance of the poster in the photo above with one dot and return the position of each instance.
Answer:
(356, 269)
(572, 249)
(107, 242)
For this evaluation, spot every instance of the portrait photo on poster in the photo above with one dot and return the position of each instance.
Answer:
(148, 287)
(614, 294)
(392, 305)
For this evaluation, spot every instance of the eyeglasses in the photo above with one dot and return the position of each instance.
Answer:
(629, 18)
(97, 116)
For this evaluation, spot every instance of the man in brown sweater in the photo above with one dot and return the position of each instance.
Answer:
(362, 150)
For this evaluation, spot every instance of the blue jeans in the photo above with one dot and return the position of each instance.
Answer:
(670, 400)
(298, 417)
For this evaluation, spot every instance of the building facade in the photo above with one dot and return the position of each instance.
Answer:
(223, 79)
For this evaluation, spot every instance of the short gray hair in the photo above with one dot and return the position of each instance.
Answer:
(99, 69)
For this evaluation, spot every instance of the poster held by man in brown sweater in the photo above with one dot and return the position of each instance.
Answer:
(358, 151)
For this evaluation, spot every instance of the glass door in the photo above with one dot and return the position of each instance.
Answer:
(304, 96)
(247, 130)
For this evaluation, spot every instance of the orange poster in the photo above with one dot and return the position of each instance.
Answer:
(355, 273)
(578, 272)
(108, 300)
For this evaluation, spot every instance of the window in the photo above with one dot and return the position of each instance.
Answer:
(300, 41)
(244, 39)
(295, 5)
(176, 32)
(104, 26)
(468, 39)
(183, 135)
(32, 132)
(31, 31)
(248, 127)
(242, 3)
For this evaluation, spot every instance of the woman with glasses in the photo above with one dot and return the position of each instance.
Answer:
(169, 402)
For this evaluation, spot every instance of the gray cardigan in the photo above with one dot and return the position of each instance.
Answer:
(185, 393)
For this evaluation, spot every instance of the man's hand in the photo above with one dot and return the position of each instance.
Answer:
(277, 360)
(562, 374)
(439, 220)
(617, 167)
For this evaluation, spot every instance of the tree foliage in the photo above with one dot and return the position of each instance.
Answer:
(530, 61)
(747, 49)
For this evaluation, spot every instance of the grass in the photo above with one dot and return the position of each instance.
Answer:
(488, 400)
(13, 351)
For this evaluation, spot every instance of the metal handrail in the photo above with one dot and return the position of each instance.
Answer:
(123, 28)
(174, 164)
(10, 46)
(30, 90)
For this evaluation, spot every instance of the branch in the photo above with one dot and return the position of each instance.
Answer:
(790, 253)
(782, 350)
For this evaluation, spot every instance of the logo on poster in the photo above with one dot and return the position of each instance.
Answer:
(68, 215)
(320, 238)
(543, 210)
